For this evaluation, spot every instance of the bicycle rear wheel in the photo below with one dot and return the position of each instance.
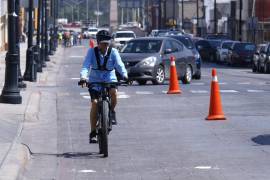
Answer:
(103, 130)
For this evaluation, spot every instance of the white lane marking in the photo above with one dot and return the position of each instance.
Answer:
(264, 83)
(222, 83)
(78, 46)
(198, 91)
(144, 92)
(75, 78)
(203, 167)
(255, 91)
(165, 92)
(84, 93)
(123, 96)
(244, 83)
(228, 91)
(120, 92)
(206, 167)
(198, 84)
(76, 56)
(86, 97)
(87, 171)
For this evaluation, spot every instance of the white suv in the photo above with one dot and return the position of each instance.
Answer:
(120, 38)
(92, 31)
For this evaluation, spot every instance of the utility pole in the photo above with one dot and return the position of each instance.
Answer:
(240, 19)
(10, 93)
(87, 10)
(21, 84)
(30, 73)
(215, 16)
(182, 6)
(197, 17)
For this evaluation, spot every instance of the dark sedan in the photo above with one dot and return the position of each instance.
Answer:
(149, 59)
(241, 53)
(206, 49)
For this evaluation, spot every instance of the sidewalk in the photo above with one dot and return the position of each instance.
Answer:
(13, 154)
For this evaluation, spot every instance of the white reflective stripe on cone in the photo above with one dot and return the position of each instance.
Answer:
(215, 79)
(172, 63)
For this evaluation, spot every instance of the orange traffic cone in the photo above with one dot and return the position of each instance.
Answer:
(91, 43)
(215, 109)
(174, 85)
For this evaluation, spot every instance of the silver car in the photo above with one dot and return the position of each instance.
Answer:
(149, 59)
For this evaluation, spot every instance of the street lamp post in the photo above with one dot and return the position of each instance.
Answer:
(10, 93)
(31, 69)
(55, 16)
(38, 57)
(46, 31)
(21, 84)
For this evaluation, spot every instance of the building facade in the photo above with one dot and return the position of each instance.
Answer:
(3, 25)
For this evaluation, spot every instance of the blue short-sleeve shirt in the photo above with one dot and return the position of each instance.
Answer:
(90, 67)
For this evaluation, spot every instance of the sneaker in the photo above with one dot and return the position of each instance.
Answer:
(93, 137)
(113, 118)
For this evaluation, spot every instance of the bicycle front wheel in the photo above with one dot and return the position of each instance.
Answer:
(103, 131)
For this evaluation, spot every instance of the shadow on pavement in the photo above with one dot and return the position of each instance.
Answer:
(262, 139)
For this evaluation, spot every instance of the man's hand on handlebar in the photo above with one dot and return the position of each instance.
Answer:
(82, 82)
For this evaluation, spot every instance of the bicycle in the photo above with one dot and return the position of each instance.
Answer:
(104, 123)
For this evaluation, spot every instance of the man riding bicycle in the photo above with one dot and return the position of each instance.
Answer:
(99, 66)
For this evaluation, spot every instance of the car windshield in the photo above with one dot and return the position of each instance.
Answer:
(92, 30)
(215, 44)
(142, 46)
(124, 35)
(227, 45)
(245, 47)
(185, 40)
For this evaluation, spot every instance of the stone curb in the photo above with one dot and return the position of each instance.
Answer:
(16, 159)
(18, 155)
(32, 109)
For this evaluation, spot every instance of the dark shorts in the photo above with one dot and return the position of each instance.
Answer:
(94, 94)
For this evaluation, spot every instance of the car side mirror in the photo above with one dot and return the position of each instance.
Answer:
(168, 51)
(199, 47)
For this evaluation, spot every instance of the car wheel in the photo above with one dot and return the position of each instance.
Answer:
(254, 68)
(188, 75)
(198, 75)
(142, 82)
(159, 75)
(266, 68)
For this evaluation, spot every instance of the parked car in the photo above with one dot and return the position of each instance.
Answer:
(256, 67)
(92, 31)
(223, 50)
(217, 36)
(120, 38)
(148, 58)
(158, 32)
(206, 50)
(264, 60)
(241, 53)
(187, 41)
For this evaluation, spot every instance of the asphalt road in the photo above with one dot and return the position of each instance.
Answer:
(158, 136)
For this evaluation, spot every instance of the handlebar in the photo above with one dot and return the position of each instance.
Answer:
(103, 84)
